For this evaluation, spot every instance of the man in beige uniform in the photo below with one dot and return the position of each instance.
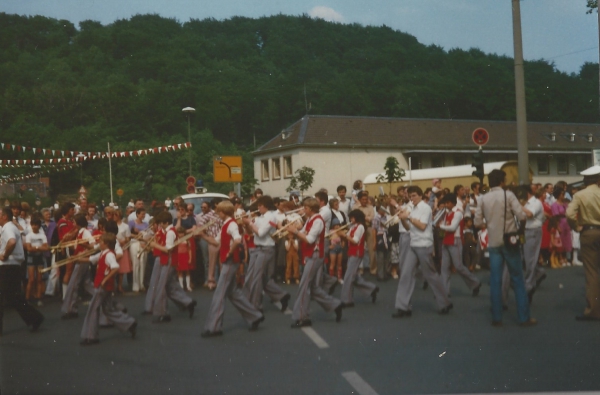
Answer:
(585, 210)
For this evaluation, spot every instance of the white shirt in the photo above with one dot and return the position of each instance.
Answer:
(345, 206)
(264, 225)
(133, 217)
(86, 236)
(315, 230)
(110, 260)
(232, 230)
(454, 224)
(171, 237)
(550, 199)
(325, 213)
(360, 231)
(36, 239)
(406, 207)
(10, 231)
(339, 216)
(537, 209)
(279, 216)
(421, 238)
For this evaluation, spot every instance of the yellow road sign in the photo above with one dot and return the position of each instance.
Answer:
(120, 192)
(227, 168)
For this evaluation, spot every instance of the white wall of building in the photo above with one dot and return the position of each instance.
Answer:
(332, 167)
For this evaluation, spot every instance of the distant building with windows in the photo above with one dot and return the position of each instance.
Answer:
(343, 149)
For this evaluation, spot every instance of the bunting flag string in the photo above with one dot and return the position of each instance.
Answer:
(42, 166)
(20, 177)
(79, 157)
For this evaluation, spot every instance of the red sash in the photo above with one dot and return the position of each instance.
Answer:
(356, 249)
(102, 271)
(226, 240)
(309, 249)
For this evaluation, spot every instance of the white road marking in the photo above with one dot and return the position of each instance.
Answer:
(360, 385)
(314, 336)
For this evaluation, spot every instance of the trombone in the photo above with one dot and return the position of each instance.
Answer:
(333, 232)
(238, 218)
(283, 231)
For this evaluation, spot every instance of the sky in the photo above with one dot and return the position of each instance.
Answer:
(559, 31)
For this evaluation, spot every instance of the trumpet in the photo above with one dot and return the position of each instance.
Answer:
(73, 243)
(147, 247)
(294, 211)
(196, 232)
(240, 217)
(333, 232)
(283, 231)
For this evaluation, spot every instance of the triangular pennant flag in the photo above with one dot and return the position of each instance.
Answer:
(53, 153)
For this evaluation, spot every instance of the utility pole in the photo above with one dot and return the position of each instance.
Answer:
(523, 156)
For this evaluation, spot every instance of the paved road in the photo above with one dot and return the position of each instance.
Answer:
(367, 353)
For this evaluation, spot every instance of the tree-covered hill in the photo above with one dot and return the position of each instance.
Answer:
(77, 88)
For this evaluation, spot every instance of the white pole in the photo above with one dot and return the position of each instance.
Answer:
(110, 172)
(409, 170)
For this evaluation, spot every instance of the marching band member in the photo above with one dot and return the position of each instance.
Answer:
(159, 236)
(312, 237)
(323, 278)
(66, 231)
(228, 241)
(356, 250)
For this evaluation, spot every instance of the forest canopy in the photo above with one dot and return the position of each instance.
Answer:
(79, 87)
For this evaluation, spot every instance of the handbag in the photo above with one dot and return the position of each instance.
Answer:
(512, 240)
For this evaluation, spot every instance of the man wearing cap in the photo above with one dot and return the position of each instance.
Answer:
(584, 209)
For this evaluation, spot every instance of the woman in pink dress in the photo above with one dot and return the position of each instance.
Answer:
(559, 208)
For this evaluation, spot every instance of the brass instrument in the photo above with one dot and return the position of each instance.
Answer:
(147, 247)
(283, 231)
(333, 232)
(240, 217)
(294, 211)
(70, 259)
(196, 232)
(73, 243)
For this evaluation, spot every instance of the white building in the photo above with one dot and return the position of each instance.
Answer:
(343, 149)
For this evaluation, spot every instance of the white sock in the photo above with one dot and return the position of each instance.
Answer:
(64, 289)
(188, 282)
(181, 282)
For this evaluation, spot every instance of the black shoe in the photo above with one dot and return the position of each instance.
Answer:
(146, 312)
(254, 326)
(446, 309)
(132, 330)
(348, 305)
(584, 317)
(539, 281)
(530, 295)
(89, 342)
(497, 323)
(338, 312)
(476, 290)
(374, 294)
(124, 311)
(211, 334)
(425, 285)
(191, 307)
(301, 323)
(284, 302)
(37, 324)
(161, 319)
(69, 316)
(332, 288)
(402, 313)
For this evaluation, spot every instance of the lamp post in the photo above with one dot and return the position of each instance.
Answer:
(189, 111)
(81, 156)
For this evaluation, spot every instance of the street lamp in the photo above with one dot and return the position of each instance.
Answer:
(81, 156)
(189, 111)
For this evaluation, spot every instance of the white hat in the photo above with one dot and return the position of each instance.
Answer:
(592, 171)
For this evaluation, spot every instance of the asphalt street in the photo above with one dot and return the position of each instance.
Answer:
(367, 353)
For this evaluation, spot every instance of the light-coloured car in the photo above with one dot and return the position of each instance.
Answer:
(198, 198)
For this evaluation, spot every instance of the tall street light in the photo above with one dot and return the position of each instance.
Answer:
(189, 111)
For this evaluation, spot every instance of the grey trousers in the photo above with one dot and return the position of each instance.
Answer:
(257, 279)
(422, 256)
(383, 264)
(324, 280)
(531, 253)
(204, 249)
(168, 286)
(453, 255)
(81, 274)
(404, 246)
(310, 289)
(103, 300)
(353, 279)
(149, 304)
(226, 288)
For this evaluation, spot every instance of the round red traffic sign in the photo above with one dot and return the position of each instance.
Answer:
(480, 136)
(190, 189)
(190, 180)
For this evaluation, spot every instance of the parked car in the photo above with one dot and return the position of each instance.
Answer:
(198, 198)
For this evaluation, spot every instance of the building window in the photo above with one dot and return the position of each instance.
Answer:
(581, 163)
(276, 168)
(460, 160)
(542, 163)
(288, 171)
(264, 172)
(562, 164)
(415, 162)
(437, 161)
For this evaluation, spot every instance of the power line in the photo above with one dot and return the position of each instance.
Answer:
(571, 53)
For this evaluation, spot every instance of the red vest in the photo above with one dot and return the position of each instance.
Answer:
(356, 249)
(173, 253)
(449, 236)
(79, 249)
(309, 249)
(159, 239)
(102, 271)
(250, 240)
(226, 240)
(164, 256)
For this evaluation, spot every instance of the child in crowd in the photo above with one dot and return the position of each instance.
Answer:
(103, 287)
(35, 244)
(576, 247)
(292, 267)
(484, 254)
(469, 245)
(184, 260)
(557, 258)
(336, 248)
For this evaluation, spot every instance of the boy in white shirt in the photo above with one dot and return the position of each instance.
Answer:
(35, 244)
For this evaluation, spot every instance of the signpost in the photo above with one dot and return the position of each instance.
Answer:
(191, 187)
(480, 136)
(227, 168)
